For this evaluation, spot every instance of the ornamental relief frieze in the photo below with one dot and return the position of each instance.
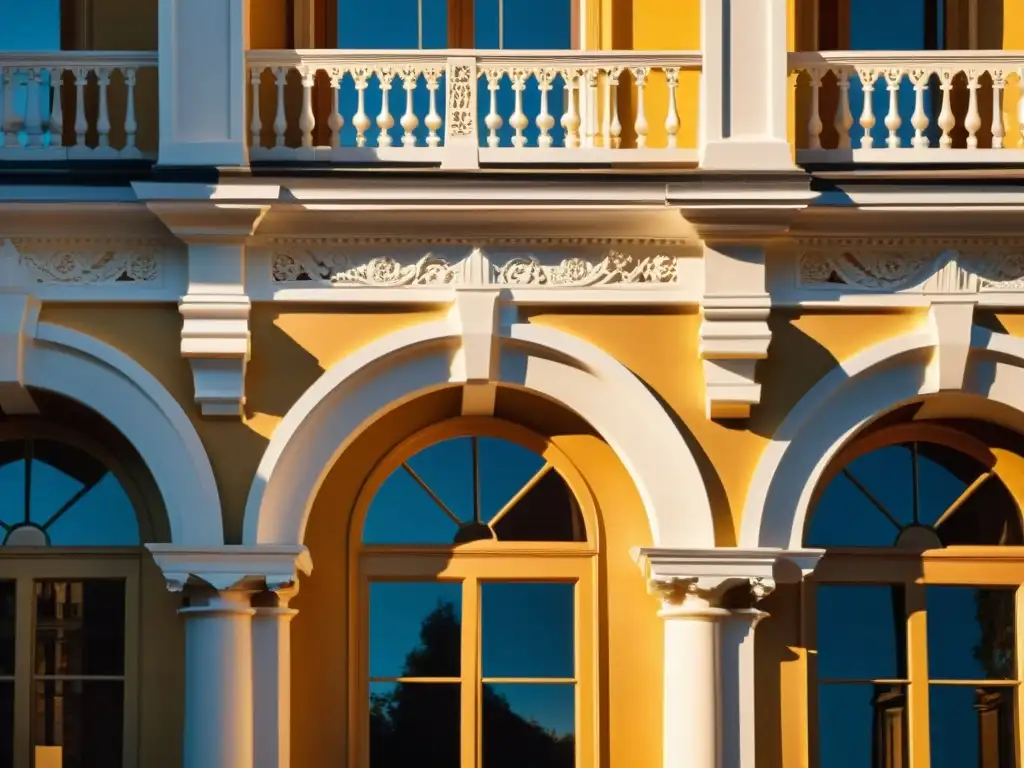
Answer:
(81, 262)
(576, 266)
(889, 266)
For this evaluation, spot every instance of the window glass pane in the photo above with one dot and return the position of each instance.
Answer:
(447, 469)
(32, 26)
(944, 474)
(888, 475)
(415, 724)
(6, 724)
(505, 467)
(529, 725)
(83, 717)
(537, 24)
(548, 512)
(103, 516)
(862, 726)
(415, 629)
(402, 513)
(844, 517)
(970, 633)
(971, 727)
(7, 618)
(396, 24)
(528, 629)
(883, 25)
(861, 632)
(12, 481)
(80, 627)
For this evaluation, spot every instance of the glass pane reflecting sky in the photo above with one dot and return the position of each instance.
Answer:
(528, 629)
(861, 632)
(30, 26)
(415, 629)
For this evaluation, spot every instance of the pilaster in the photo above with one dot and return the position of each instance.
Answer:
(744, 96)
(272, 677)
(202, 82)
(215, 332)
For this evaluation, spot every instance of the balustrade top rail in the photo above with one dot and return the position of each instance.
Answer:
(74, 59)
(551, 59)
(461, 108)
(860, 106)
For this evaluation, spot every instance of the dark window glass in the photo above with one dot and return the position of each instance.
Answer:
(403, 513)
(415, 629)
(6, 723)
(529, 725)
(80, 628)
(8, 591)
(33, 26)
(970, 633)
(415, 724)
(971, 727)
(861, 632)
(400, 24)
(528, 629)
(84, 718)
(862, 725)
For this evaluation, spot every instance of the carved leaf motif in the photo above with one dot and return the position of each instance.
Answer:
(873, 270)
(460, 101)
(349, 270)
(579, 272)
(999, 271)
(85, 268)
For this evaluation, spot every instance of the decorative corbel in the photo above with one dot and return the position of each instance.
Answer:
(215, 311)
(736, 222)
(952, 293)
(475, 318)
(19, 318)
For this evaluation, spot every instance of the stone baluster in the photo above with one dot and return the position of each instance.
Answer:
(307, 120)
(33, 108)
(256, 123)
(131, 125)
(103, 113)
(972, 122)
(385, 121)
(336, 122)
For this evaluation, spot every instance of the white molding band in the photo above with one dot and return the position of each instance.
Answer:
(109, 382)
(860, 389)
(413, 361)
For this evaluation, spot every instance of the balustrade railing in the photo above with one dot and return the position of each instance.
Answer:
(502, 106)
(77, 105)
(909, 106)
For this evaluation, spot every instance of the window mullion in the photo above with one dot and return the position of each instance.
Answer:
(24, 642)
(918, 730)
(470, 720)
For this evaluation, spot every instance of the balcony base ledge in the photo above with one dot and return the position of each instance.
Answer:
(747, 153)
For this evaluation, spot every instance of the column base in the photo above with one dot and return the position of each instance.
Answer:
(738, 154)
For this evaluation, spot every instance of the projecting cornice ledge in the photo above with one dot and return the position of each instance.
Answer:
(231, 567)
(735, 217)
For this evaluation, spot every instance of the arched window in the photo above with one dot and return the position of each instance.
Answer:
(912, 621)
(69, 571)
(473, 579)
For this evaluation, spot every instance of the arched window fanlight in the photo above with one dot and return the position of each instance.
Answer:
(55, 494)
(473, 488)
(917, 494)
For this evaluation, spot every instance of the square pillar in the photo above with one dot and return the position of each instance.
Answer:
(744, 93)
(202, 83)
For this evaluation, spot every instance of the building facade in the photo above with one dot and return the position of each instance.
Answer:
(485, 383)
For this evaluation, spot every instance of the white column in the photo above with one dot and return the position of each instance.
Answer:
(202, 82)
(272, 679)
(691, 708)
(744, 93)
(709, 719)
(218, 680)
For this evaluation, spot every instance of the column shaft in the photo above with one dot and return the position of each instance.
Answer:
(272, 685)
(218, 682)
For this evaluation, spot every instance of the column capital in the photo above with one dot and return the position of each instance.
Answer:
(232, 567)
(724, 579)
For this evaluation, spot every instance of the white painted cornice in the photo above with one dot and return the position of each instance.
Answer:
(270, 567)
(710, 574)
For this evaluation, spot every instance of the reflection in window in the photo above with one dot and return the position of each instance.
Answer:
(470, 489)
(56, 495)
(861, 633)
(916, 496)
(78, 668)
(415, 630)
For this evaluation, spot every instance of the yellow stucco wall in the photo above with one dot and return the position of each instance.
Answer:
(292, 347)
